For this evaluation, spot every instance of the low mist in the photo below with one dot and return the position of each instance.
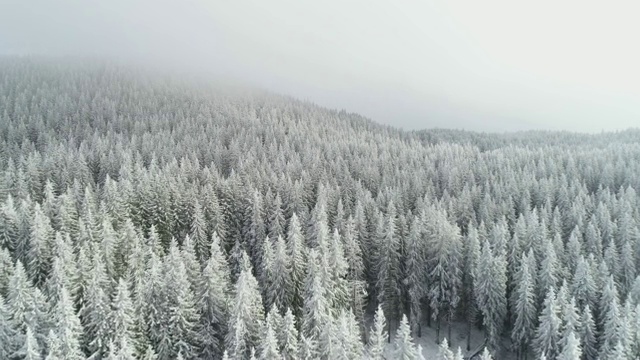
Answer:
(488, 66)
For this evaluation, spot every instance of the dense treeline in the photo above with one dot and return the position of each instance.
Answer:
(146, 217)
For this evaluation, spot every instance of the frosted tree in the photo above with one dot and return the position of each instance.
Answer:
(247, 314)
(289, 337)
(177, 330)
(444, 352)
(25, 304)
(278, 292)
(276, 218)
(490, 292)
(548, 272)
(357, 286)
(471, 256)
(94, 312)
(414, 274)
(124, 330)
(486, 355)
(198, 231)
(8, 334)
(404, 348)
(317, 316)
(347, 337)
(583, 287)
(610, 336)
(587, 334)
(268, 348)
(377, 336)
(67, 327)
(30, 349)
(213, 300)
(524, 304)
(54, 347)
(547, 335)
(40, 246)
(387, 289)
(443, 264)
(296, 251)
(571, 349)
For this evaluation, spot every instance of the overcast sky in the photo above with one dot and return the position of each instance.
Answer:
(491, 65)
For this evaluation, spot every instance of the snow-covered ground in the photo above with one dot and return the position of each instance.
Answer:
(458, 339)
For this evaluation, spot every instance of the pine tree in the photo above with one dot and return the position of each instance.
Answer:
(317, 317)
(8, 334)
(30, 349)
(414, 274)
(198, 231)
(289, 337)
(548, 272)
(268, 348)
(347, 334)
(124, 330)
(588, 334)
(444, 352)
(67, 327)
(94, 312)
(443, 263)
(404, 347)
(213, 301)
(610, 330)
(486, 355)
(524, 304)
(247, 314)
(296, 252)
(54, 345)
(387, 289)
(583, 287)
(40, 246)
(26, 306)
(177, 331)
(490, 292)
(378, 336)
(548, 333)
(571, 349)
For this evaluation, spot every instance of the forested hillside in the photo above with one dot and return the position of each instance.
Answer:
(147, 217)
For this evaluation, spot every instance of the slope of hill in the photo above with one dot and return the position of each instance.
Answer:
(147, 215)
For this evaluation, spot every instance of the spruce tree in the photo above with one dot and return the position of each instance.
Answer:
(404, 348)
(247, 314)
(547, 335)
(377, 336)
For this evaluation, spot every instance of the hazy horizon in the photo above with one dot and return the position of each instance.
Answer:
(493, 66)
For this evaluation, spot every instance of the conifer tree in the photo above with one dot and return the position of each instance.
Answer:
(486, 355)
(404, 348)
(246, 315)
(378, 336)
(30, 349)
(67, 327)
(490, 292)
(387, 281)
(524, 304)
(213, 301)
(444, 352)
(571, 349)
(8, 335)
(588, 334)
(289, 337)
(296, 252)
(547, 335)
(268, 349)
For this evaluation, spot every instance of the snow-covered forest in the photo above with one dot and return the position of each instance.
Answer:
(147, 217)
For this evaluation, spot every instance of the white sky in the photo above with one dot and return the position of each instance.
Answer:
(494, 65)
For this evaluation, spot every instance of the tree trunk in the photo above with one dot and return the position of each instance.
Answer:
(468, 335)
